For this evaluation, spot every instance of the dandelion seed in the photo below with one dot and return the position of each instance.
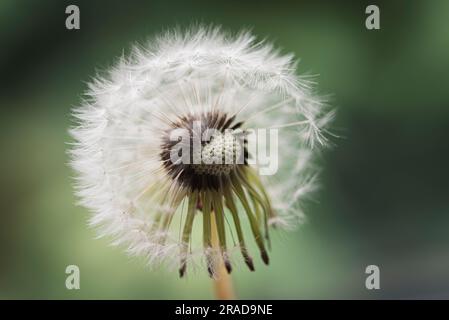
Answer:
(199, 83)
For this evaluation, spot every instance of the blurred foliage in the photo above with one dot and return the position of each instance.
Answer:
(385, 184)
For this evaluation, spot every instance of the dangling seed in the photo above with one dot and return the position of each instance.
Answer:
(219, 218)
(232, 207)
(187, 232)
(207, 238)
(253, 223)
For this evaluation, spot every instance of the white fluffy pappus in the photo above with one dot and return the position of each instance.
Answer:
(168, 212)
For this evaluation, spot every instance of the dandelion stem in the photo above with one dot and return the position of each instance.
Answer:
(222, 282)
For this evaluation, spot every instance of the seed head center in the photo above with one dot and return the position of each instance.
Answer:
(219, 156)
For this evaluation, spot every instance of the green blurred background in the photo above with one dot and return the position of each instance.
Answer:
(385, 185)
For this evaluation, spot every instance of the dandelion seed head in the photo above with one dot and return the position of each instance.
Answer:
(123, 149)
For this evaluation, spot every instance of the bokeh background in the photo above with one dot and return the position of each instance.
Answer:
(385, 185)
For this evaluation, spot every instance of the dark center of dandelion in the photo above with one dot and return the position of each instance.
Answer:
(206, 155)
(200, 151)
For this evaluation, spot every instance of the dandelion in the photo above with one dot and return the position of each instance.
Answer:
(167, 204)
